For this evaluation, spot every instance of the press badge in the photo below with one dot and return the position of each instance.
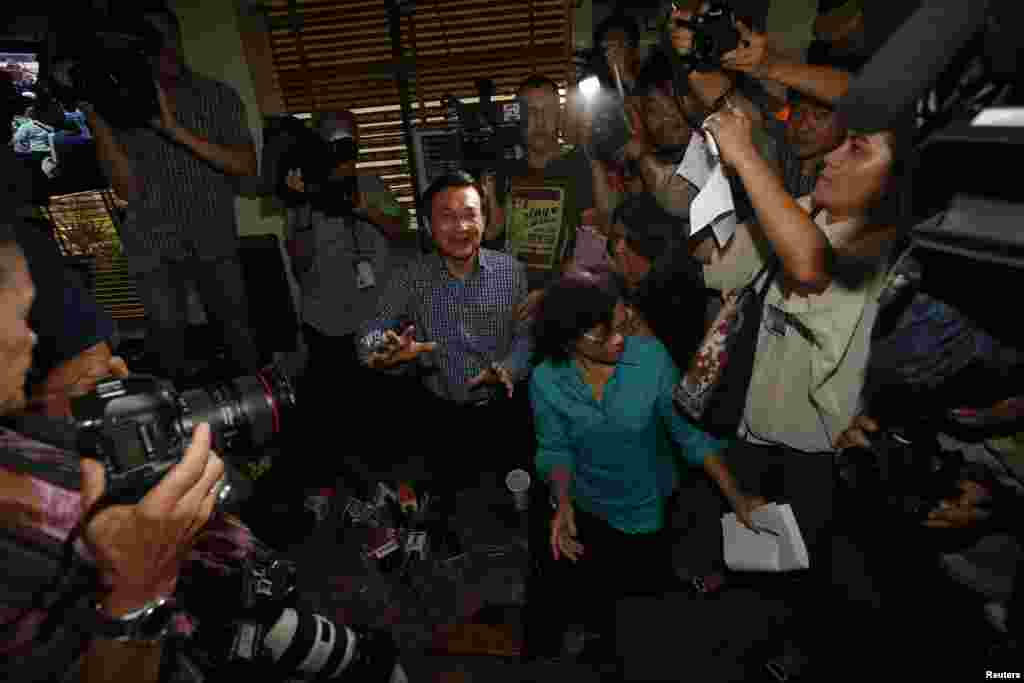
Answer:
(364, 275)
(775, 320)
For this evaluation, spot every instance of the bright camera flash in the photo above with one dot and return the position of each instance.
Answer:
(589, 87)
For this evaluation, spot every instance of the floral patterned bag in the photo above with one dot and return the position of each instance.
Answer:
(713, 391)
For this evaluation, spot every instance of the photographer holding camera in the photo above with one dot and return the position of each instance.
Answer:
(94, 580)
(178, 176)
(138, 549)
(740, 55)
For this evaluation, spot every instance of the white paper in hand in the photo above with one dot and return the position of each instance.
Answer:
(697, 162)
(713, 205)
(764, 551)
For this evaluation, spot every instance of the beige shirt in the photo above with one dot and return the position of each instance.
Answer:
(802, 394)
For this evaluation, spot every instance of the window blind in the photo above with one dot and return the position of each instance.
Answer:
(337, 54)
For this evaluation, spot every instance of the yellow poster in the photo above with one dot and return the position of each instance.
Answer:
(533, 227)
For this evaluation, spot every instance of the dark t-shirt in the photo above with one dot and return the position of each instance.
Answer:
(65, 316)
(573, 165)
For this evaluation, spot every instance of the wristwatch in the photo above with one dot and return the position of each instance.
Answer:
(149, 623)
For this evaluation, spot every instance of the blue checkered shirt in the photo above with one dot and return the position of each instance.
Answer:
(473, 321)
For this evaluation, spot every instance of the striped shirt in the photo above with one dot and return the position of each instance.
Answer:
(186, 207)
(473, 321)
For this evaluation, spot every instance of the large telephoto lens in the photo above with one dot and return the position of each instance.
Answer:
(243, 413)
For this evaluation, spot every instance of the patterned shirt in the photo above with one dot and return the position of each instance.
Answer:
(473, 321)
(39, 506)
(186, 207)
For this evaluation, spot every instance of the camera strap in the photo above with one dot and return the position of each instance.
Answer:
(351, 222)
(39, 447)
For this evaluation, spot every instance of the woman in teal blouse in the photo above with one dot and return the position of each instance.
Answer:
(608, 441)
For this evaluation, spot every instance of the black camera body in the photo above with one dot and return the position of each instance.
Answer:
(491, 135)
(139, 426)
(908, 475)
(714, 35)
(110, 68)
(290, 144)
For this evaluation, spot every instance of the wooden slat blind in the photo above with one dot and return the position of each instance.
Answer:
(84, 227)
(337, 54)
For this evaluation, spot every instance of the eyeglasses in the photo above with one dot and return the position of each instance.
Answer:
(447, 219)
(625, 328)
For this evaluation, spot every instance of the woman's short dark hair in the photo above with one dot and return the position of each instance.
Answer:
(578, 301)
(651, 231)
(450, 180)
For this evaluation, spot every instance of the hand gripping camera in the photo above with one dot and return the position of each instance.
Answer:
(139, 426)
(714, 34)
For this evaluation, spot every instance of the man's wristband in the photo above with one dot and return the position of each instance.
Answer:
(149, 623)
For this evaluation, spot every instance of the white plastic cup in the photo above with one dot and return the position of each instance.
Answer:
(518, 482)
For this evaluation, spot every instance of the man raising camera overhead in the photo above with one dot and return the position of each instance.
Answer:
(178, 178)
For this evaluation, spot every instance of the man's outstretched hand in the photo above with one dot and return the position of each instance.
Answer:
(494, 375)
(396, 349)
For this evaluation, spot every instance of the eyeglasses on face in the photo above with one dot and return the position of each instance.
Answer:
(451, 219)
(624, 328)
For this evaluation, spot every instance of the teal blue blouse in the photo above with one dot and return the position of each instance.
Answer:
(621, 452)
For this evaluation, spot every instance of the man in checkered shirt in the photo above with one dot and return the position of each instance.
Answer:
(179, 177)
(452, 315)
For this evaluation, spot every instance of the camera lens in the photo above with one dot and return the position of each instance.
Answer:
(243, 413)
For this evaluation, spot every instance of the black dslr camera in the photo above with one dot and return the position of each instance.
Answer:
(139, 426)
(714, 34)
(110, 68)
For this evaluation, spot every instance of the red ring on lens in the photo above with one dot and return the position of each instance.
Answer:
(269, 393)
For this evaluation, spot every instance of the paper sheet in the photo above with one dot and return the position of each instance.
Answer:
(697, 162)
(713, 205)
(1000, 116)
(765, 551)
